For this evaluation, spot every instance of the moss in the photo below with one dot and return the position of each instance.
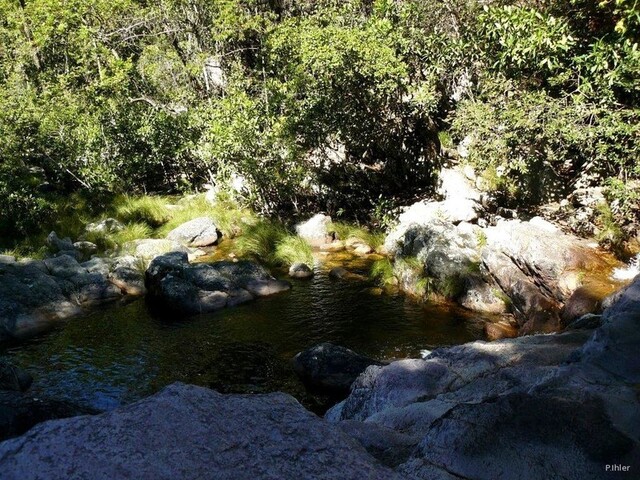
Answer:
(451, 287)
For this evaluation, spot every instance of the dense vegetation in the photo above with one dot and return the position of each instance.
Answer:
(333, 105)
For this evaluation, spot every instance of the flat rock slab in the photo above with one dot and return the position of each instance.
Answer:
(188, 432)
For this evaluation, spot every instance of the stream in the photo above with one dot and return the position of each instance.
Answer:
(123, 352)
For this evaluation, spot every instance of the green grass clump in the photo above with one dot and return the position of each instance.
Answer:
(292, 249)
(229, 217)
(346, 230)
(131, 232)
(259, 241)
(271, 243)
(151, 210)
(112, 240)
(382, 272)
(610, 235)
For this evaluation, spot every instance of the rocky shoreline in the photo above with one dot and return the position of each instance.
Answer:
(468, 249)
(542, 406)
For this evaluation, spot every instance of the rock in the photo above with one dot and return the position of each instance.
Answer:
(581, 302)
(300, 270)
(391, 448)
(31, 300)
(150, 248)
(481, 296)
(84, 250)
(455, 184)
(56, 244)
(64, 266)
(97, 265)
(315, 230)
(129, 280)
(192, 432)
(330, 369)
(362, 249)
(535, 312)
(588, 197)
(92, 288)
(13, 378)
(588, 321)
(263, 288)
(108, 225)
(498, 330)
(338, 273)
(188, 289)
(487, 410)
(199, 232)
(7, 259)
(614, 346)
(332, 246)
(19, 412)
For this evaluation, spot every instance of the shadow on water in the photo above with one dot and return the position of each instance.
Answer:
(121, 353)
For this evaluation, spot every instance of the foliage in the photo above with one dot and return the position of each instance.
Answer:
(271, 243)
(321, 105)
(382, 272)
(293, 249)
(150, 210)
(347, 230)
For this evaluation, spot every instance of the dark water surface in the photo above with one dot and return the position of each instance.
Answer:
(122, 352)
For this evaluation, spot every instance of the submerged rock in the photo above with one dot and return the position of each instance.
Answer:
(19, 412)
(13, 378)
(330, 368)
(192, 432)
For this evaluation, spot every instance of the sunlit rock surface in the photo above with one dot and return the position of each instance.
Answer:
(544, 406)
(188, 432)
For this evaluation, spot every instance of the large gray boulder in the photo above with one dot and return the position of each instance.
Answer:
(199, 232)
(31, 300)
(542, 406)
(189, 289)
(528, 267)
(187, 432)
(315, 230)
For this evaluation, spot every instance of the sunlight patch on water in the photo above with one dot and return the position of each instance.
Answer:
(629, 272)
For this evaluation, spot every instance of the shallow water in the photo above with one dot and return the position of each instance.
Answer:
(122, 352)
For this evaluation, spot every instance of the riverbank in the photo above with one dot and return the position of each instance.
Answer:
(529, 408)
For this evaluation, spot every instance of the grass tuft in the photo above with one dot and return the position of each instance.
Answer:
(346, 230)
(382, 272)
(151, 210)
(293, 249)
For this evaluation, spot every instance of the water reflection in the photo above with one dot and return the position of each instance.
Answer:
(122, 353)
